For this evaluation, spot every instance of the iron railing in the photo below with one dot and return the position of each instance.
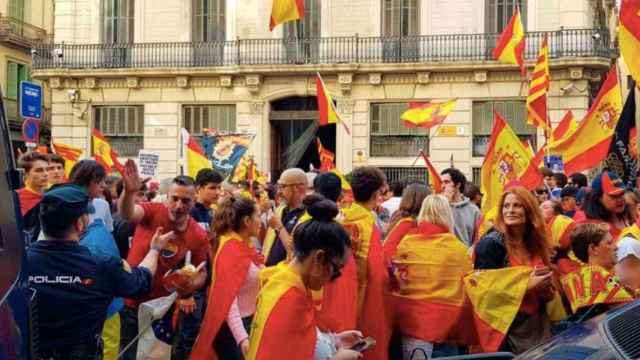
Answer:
(20, 33)
(329, 50)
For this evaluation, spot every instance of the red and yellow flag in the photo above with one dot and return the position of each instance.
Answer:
(591, 285)
(428, 288)
(565, 127)
(496, 296)
(629, 35)
(434, 177)
(510, 48)
(102, 151)
(538, 88)
(70, 154)
(327, 158)
(326, 107)
(283, 11)
(194, 155)
(506, 160)
(427, 115)
(283, 300)
(561, 228)
(589, 144)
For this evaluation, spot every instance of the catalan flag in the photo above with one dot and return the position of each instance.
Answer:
(194, 155)
(326, 157)
(69, 153)
(590, 142)
(629, 36)
(427, 115)
(283, 11)
(326, 107)
(591, 285)
(102, 151)
(538, 88)
(510, 46)
(434, 177)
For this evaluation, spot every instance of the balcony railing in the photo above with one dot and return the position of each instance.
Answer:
(20, 33)
(331, 50)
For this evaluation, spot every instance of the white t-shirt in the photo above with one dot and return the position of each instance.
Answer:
(392, 205)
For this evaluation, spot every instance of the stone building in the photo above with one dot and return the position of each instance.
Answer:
(23, 23)
(139, 70)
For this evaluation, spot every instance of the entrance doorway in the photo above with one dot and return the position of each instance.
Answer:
(294, 130)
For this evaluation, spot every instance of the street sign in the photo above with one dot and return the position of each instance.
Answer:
(450, 131)
(30, 100)
(31, 130)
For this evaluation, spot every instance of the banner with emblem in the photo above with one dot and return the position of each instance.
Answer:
(623, 152)
(225, 150)
(592, 285)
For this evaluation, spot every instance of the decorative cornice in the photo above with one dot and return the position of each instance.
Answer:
(182, 81)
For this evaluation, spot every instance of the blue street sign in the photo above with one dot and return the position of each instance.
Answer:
(30, 100)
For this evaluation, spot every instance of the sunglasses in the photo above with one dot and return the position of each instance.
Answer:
(541, 192)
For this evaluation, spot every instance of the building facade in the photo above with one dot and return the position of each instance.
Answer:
(23, 24)
(139, 70)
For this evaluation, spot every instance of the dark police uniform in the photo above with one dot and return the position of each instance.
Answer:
(73, 288)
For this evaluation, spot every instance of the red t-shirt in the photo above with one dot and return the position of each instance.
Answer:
(194, 238)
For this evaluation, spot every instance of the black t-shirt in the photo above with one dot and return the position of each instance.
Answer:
(202, 215)
(123, 233)
(289, 220)
(74, 288)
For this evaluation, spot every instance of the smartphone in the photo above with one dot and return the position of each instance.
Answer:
(364, 344)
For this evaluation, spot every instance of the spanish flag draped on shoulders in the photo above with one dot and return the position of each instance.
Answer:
(430, 263)
(372, 277)
(230, 266)
(560, 229)
(396, 234)
(29, 198)
(283, 325)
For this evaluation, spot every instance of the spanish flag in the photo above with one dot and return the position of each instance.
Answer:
(538, 88)
(506, 160)
(510, 46)
(629, 35)
(283, 325)
(70, 154)
(561, 228)
(427, 115)
(430, 263)
(230, 266)
(326, 157)
(102, 151)
(592, 285)
(283, 11)
(326, 107)
(336, 310)
(589, 144)
(434, 177)
(496, 296)
(372, 277)
(194, 155)
(565, 127)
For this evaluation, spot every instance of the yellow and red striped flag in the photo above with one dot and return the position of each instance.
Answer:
(629, 35)
(283, 11)
(538, 88)
(427, 115)
(589, 144)
(434, 177)
(565, 127)
(326, 107)
(510, 48)
(70, 154)
(102, 151)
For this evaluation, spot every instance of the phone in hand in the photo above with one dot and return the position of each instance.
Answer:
(364, 344)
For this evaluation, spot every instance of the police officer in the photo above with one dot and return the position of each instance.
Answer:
(72, 288)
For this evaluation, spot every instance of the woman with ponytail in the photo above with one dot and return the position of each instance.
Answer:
(284, 324)
(232, 298)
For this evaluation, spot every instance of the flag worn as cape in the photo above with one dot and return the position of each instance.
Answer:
(510, 47)
(629, 36)
(336, 310)
(283, 325)
(229, 270)
(373, 277)
(622, 158)
(496, 296)
(285, 10)
(430, 263)
(591, 285)
(561, 228)
(70, 154)
(589, 144)
(427, 115)
(28, 199)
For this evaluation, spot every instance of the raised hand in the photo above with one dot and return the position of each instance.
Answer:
(159, 240)
(131, 178)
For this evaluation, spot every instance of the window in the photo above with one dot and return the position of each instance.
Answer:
(475, 176)
(400, 27)
(515, 114)
(16, 73)
(123, 126)
(406, 174)
(208, 20)
(499, 12)
(301, 37)
(199, 117)
(117, 30)
(389, 137)
(16, 9)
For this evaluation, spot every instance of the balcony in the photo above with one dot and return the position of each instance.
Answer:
(17, 33)
(331, 50)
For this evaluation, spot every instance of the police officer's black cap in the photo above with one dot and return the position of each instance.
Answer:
(67, 202)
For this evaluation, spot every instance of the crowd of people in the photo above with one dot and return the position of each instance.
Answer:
(300, 268)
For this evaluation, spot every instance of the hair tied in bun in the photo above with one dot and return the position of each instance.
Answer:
(323, 210)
